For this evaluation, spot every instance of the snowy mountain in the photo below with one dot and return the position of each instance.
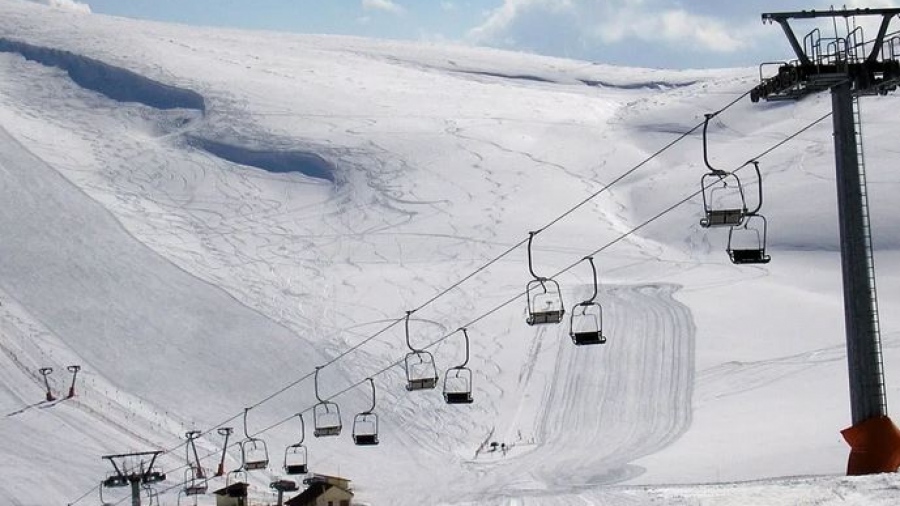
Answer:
(201, 217)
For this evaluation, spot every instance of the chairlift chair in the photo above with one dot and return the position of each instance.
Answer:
(458, 380)
(544, 297)
(747, 243)
(116, 480)
(295, 455)
(103, 501)
(724, 204)
(365, 424)
(254, 452)
(586, 321)
(421, 371)
(235, 477)
(326, 415)
(194, 483)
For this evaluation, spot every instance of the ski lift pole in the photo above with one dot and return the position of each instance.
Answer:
(74, 370)
(223, 431)
(46, 371)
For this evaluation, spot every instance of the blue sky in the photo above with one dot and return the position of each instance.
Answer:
(654, 33)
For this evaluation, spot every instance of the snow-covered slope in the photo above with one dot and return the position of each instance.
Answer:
(200, 217)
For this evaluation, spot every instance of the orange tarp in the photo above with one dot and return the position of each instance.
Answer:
(874, 447)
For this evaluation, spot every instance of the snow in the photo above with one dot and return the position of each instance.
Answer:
(199, 260)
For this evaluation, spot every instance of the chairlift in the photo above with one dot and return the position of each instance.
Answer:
(116, 480)
(326, 415)
(103, 502)
(458, 380)
(421, 371)
(586, 321)
(235, 477)
(365, 424)
(152, 495)
(545, 304)
(254, 452)
(195, 481)
(724, 204)
(747, 243)
(295, 456)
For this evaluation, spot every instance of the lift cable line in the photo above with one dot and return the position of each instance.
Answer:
(518, 296)
(393, 323)
(480, 269)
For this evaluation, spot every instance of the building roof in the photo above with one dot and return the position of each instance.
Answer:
(239, 488)
(312, 492)
(309, 495)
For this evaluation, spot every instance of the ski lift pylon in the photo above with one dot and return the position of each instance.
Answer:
(295, 455)
(586, 321)
(254, 453)
(724, 204)
(545, 304)
(458, 380)
(326, 415)
(365, 424)
(421, 371)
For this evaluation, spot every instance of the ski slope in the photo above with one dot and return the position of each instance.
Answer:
(222, 211)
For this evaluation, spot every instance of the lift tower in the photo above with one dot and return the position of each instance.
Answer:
(850, 67)
(132, 469)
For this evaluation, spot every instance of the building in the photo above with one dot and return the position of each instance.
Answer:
(324, 491)
(232, 495)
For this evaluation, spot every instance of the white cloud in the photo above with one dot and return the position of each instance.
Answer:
(66, 4)
(561, 26)
(448, 6)
(382, 5)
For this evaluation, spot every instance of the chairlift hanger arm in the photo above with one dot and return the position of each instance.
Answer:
(718, 172)
(246, 434)
(466, 336)
(590, 260)
(530, 263)
(759, 202)
(372, 384)
(316, 383)
(406, 329)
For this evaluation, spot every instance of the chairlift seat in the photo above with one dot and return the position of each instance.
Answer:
(284, 486)
(583, 338)
(458, 397)
(421, 384)
(253, 465)
(197, 489)
(116, 480)
(749, 256)
(333, 430)
(722, 218)
(365, 439)
(293, 469)
(541, 317)
(154, 477)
